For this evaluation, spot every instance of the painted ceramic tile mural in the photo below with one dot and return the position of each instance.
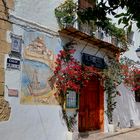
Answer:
(37, 69)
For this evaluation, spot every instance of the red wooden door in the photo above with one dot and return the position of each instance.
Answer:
(89, 107)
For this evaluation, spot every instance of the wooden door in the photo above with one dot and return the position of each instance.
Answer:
(89, 104)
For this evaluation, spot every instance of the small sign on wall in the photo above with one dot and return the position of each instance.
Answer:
(72, 100)
(13, 64)
(13, 92)
(16, 45)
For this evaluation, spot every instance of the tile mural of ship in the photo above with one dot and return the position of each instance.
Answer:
(38, 66)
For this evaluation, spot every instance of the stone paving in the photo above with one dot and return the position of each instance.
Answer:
(122, 134)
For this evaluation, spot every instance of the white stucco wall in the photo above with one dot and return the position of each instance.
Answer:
(30, 122)
(36, 122)
(126, 108)
(41, 12)
(45, 122)
(131, 53)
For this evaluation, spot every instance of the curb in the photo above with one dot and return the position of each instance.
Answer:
(119, 133)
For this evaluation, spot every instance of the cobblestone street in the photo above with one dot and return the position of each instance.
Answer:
(124, 134)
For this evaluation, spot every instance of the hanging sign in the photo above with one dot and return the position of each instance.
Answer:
(13, 64)
(91, 60)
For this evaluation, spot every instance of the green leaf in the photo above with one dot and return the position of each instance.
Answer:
(120, 15)
(129, 28)
(120, 20)
(125, 20)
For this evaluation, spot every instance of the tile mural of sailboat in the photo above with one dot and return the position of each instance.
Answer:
(34, 87)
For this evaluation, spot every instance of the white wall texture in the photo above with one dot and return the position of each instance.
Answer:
(32, 122)
(41, 12)
(28, 122)
(131, 53)
(126, 108)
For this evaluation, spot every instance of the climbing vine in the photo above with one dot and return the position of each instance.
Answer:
(117, 72)
(113, 77)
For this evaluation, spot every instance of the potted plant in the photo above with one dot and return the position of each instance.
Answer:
(66, 14)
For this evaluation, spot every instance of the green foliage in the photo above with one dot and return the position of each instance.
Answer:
(65, 13)
(113, 78)
(111, 94)
(118, 32)
(127, 17)
(105, 23)
(111, 29)
(104, 7)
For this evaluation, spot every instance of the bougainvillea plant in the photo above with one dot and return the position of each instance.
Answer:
(70, 75)
(112, 79)
(131, 73)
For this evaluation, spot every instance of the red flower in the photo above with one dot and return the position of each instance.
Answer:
(71, 74)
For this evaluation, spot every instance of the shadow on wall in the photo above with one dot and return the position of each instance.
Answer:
(126, 113)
